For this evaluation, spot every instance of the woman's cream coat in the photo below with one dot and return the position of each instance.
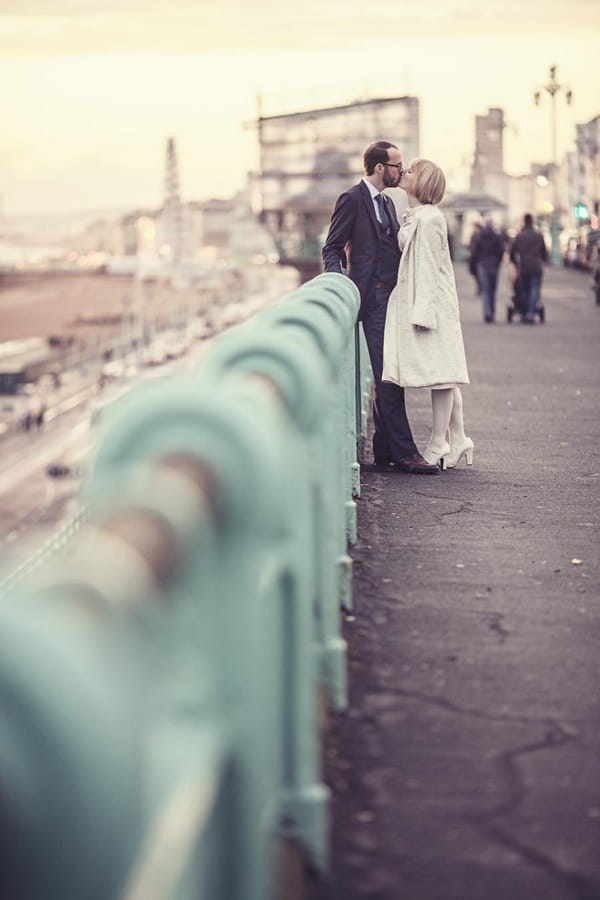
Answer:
(425, 294)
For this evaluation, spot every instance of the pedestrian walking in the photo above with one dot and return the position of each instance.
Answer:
(528, 253)
(487, 253)
(362, 242)
(423, 343)
(477, 226)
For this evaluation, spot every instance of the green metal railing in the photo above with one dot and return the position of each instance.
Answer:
(160, 682)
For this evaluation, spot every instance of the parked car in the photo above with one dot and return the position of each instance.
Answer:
(58, 470)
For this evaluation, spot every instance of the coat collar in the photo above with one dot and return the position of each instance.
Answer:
(411, 219)
(409, 226)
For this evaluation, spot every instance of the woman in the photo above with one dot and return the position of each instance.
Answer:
(423, 344)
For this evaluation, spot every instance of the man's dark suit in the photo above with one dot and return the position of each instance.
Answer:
(371, 257)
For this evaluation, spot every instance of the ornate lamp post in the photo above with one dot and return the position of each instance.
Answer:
(553, 87)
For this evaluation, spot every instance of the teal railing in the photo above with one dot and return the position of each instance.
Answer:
(162, 677)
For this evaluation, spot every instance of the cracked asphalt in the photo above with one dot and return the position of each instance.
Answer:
(467, 766)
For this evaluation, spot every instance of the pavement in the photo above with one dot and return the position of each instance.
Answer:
(467, 766)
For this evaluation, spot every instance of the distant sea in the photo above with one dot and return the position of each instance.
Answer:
(15, 254)
(32, 239)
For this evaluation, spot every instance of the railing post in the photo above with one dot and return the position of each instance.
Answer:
(231, 608)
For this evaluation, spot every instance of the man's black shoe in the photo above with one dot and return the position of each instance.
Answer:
(383, 462)
(416, 465)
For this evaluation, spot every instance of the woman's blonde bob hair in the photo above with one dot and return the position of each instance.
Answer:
(429, 181)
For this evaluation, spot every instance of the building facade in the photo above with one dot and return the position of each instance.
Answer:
(308, 158)
(487, 173)
(587, 184)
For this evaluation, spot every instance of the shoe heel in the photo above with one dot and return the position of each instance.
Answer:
(442, 463)
(469, 456)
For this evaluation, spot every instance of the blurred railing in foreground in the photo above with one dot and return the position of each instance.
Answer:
(162, 676)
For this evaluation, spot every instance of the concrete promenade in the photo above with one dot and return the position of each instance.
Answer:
(468, 764)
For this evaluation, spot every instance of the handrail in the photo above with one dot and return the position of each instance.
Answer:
(192, 625)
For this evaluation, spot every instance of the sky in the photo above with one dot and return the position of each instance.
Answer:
(90, 90)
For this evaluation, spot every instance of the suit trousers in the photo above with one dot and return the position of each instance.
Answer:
(530, 286)
(392, 438)
(488, 279)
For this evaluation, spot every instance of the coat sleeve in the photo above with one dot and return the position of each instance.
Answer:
(428, 258)
(340, 231)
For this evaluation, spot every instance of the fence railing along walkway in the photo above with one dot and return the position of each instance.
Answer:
(162, 669)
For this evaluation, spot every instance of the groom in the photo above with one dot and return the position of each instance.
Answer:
(363, 237)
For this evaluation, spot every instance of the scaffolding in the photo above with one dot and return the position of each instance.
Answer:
(308, 158)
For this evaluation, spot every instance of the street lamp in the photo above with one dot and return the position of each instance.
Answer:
(552, 88)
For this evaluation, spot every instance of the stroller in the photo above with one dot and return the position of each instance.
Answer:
(517, 303)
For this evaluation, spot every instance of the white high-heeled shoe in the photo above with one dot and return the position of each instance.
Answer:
(435, 457)
(456, 453)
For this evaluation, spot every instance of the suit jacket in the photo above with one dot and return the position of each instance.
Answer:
(488, 249)
(528, 251)
(354, 240)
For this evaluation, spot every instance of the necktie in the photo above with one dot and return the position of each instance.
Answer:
(385, 222)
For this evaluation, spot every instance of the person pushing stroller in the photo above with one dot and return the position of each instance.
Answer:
(528, 253)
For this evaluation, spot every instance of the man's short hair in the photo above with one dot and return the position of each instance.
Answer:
(375, 153)
(527, 220)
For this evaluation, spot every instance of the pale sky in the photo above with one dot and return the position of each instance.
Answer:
(91, 90)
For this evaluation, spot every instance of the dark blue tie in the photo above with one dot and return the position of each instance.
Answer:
(385, 222)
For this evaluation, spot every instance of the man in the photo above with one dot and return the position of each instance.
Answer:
(487, 253)
(477, 226)
(363, 237)
(528, 253)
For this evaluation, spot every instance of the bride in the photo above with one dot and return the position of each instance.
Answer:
(423, 343)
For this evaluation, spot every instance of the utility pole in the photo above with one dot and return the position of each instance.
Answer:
(552, 87)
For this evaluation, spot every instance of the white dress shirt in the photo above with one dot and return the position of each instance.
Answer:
(375, 193)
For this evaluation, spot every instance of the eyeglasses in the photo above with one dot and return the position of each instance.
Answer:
(394, 166)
